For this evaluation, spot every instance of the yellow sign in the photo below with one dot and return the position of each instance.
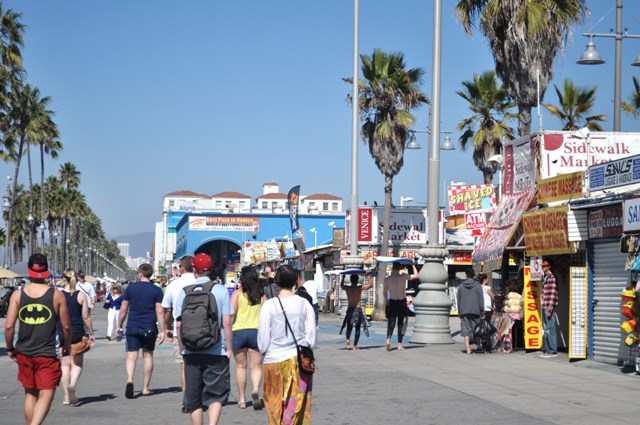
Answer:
(532, 323)
(546, 232)
(565, 186)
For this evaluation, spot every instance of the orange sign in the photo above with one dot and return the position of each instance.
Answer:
(532, 323)
(546, 232)
(565, 186)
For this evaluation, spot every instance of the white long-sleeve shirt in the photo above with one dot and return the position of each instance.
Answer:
(274, 338)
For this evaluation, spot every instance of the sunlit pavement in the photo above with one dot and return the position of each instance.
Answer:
(424, 384)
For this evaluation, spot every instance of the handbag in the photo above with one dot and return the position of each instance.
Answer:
(106, 306)
(306, 359)
(80, 347)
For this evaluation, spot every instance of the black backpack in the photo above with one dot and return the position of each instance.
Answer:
(199, 326)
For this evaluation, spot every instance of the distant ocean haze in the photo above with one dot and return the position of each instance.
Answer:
(139, 244)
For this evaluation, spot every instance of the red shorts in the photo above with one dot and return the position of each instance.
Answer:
(40, 373)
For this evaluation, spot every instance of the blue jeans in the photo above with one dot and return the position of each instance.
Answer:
(549, 339)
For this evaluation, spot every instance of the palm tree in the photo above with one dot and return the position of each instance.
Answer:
(575, 103)
(525, 37)
(388, 93)
(69, 175)
(488, 126)
(633, 106)
(73, 204)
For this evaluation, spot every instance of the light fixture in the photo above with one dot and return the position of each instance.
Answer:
(404, 199)
(447, 145)
(331, 224)
(590, 55)
(30, 219)
(413, 143)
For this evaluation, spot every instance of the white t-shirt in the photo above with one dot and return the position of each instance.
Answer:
(487, 299)
(89, 290)
(170, 298)
(312, 288)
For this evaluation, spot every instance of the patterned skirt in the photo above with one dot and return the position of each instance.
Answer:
(287, 394)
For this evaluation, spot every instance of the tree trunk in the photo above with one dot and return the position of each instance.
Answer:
(32, 241)
(524, 120)
(379, 309)
(12, 248)
(42, 212)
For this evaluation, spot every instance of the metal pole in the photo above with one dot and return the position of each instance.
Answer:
(618, 68)
(353, 227)
(432, 304)
(7, 244)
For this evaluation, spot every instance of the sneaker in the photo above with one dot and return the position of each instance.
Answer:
(552, 355)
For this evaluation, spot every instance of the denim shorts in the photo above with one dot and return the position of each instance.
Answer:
(141, 338)
(245, 338)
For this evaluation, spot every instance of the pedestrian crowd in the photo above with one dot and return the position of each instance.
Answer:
(262, 325)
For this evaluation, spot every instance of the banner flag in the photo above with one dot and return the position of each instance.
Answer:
(293, 198)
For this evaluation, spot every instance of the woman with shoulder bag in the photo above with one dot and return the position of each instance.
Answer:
(112, 303)
(78, 306)
(287, 389)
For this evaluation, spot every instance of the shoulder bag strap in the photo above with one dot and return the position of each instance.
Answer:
(287, 321)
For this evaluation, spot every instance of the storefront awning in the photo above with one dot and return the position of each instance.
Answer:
(500, 229)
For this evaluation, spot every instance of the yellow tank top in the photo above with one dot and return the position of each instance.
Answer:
(247, 316)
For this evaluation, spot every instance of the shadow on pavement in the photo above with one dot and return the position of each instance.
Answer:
(94, 399)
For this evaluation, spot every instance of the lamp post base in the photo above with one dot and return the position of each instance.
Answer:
(432, 304)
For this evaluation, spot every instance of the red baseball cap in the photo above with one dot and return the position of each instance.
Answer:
(546, 264)
(38, 266)
(202, 262)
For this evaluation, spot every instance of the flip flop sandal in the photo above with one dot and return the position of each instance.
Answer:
(257, 403)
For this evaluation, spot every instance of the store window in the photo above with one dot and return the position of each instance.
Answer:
(325, 206)
(334, 206)
(218, 204)
(264, 205)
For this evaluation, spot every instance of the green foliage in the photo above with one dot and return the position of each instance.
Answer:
(575, 105)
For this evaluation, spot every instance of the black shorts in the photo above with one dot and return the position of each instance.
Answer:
(207, 380)
(141, 338)
(396, 308)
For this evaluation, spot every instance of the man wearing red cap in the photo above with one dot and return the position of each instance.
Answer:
(207, 371)
(38, 307)
(549, 303)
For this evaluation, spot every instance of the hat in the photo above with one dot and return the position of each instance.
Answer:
(546, 264)
(201, 262)
(80, 274)
(38, 266)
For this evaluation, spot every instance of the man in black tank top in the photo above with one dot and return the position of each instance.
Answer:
(38, 308)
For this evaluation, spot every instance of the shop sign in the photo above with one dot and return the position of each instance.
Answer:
(615, 173)
(605, 222)
(365, 224)
(566, 186)
(461, 257)
(476, 221)
(519, 166)
(631, 215)
(546, 231)
(224, 223)
(532, 323)
(563, 153)
(476, 198)
(536, 268)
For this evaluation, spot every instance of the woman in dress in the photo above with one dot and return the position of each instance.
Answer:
(113, 300)
(287, 392)
(71, 364)
(247, 301)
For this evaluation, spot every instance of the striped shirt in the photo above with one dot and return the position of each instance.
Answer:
(549, 295)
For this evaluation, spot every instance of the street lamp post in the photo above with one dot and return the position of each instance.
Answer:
(30, 220)
(66, 253)
(8, 208)
(499, 161)
(315, 236)
(592, 57)
(55, 249)
(432, 304)
(41, 227)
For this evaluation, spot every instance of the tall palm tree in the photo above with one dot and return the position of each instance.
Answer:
(388, 93)
(73, 204)
(575, 104)
(69, 175)
(525, 37)
(488, 125)
(633, 106)
(27, 108)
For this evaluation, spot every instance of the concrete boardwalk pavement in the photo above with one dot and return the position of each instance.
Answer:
(424, 384)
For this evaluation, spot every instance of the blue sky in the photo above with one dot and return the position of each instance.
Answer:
(157, 96)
